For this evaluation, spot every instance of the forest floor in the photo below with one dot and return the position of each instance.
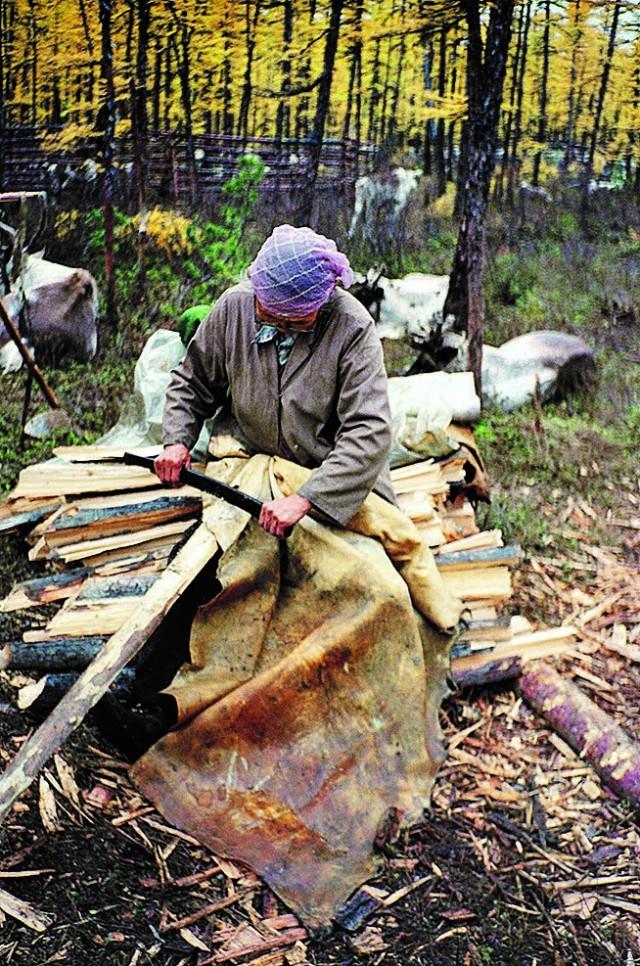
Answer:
(524, 857)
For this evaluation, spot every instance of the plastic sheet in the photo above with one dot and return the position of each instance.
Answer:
(140, 422)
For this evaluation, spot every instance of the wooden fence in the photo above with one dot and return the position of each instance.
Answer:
(26, 166)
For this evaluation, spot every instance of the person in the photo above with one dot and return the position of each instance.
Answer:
(300, 363)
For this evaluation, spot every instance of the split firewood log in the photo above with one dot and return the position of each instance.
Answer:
(116, 654)
(59, 654)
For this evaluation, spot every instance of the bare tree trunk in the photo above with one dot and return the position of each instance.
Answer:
(452, 124)
(544, 87)
(139, 130)
(514, 163)
(486, 70)
(283, 122)
(385, 94)
(109, 134)
(157, 86)
(85, 27)
(392, 129)
(247, 85)
(576, 32)
(602, 92)
(441, 173)
(322, 108)
(34, 63)
(374, 94)
(227, 79)
(506, 141)
(427, 66)
(2, 98)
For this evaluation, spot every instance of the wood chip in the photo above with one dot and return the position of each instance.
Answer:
(26, 914)
(47, 806)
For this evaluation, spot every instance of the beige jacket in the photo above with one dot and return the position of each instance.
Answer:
(327, 408)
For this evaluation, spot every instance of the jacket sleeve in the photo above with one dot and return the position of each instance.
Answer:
(363, 438)
(198, 383)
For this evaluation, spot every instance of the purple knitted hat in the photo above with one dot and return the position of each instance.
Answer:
(296, 271)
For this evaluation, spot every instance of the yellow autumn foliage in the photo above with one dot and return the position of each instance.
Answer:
(168, 230)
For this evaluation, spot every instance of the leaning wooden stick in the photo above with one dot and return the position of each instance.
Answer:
(94, 682)
(29, 361)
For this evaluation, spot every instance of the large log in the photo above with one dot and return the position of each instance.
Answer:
(117, 653)
(587, 728)
(60, 654)
(42, 696)
(507, 660)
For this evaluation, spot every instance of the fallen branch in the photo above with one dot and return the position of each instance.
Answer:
(97, 678)
(587, 728)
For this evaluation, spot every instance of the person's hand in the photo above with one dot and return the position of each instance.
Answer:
(277, 516)
(168, 465)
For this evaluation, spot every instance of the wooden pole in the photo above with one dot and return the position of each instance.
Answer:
(95, 681)
(29, 361)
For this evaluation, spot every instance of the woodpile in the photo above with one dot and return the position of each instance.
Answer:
(128, 590)
(109, 530)
(115, 528)
(476, 565)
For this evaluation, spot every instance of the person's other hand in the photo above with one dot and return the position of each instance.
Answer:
(168, 465)
(277, 516)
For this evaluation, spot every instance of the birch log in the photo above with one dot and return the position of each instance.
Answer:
(587, 728)
(94, 682)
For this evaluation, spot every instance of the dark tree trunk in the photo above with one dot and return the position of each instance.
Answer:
(227, 80)
(485, 80)
(85, 27)
(322, 108)
(34, 63)
(139, 131)
(109, 135)
(392, 128)
(602, 92)
(439, 147)
(358, 93)
(2, 109)
(247, 84)
(452, 124)
(544, 89)
(514, 162)
(374, 95)
(385, 96)
(427, 66)
(283, 114)
(157, 86)
(506, 141)
(573, 77)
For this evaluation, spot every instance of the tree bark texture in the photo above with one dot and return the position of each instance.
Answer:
(322, 109)
(590, 731)
(63, 654)
(109, 134)
(544, 89)
(486, 68)
(514, 162)
(602, 91)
